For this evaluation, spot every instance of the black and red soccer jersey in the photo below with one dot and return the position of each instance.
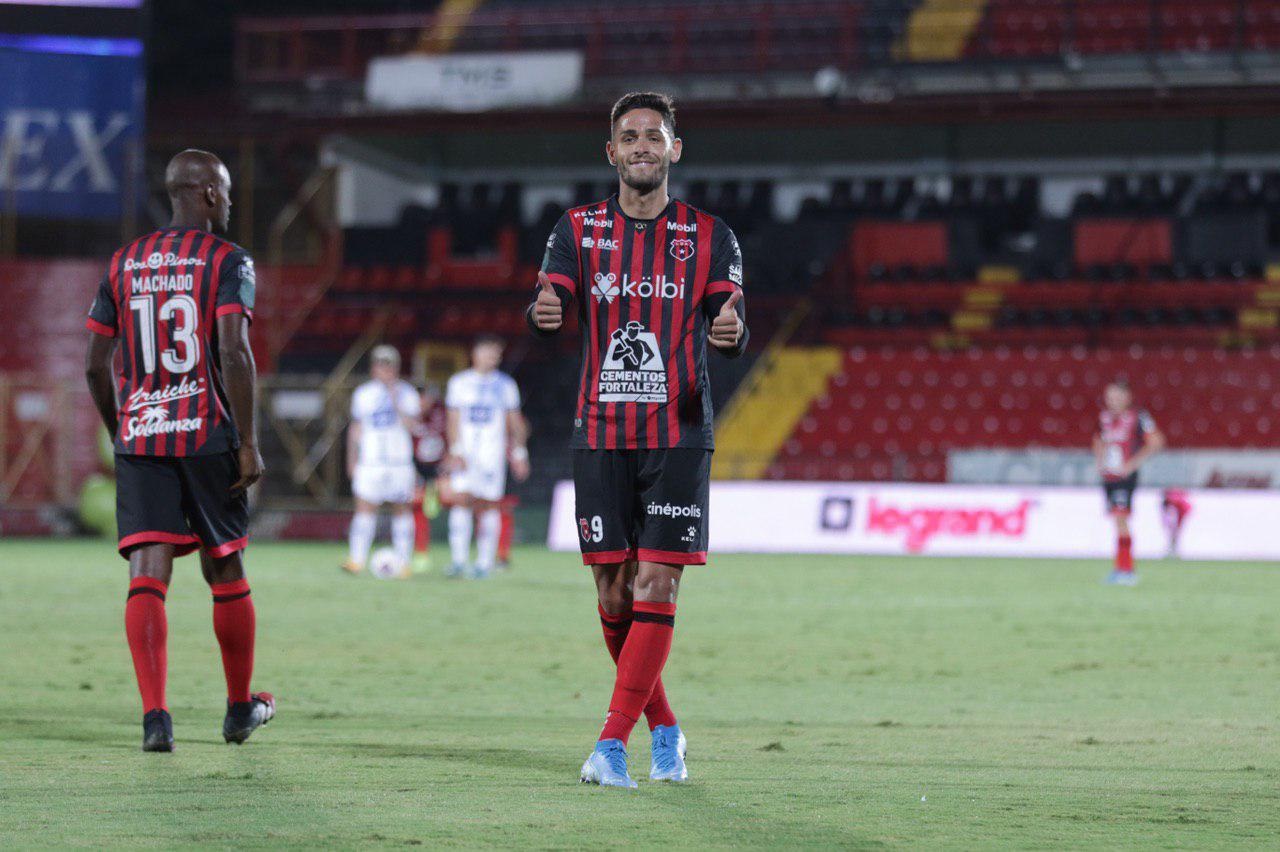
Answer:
(1123, 435)
(647, 291)
(161, 296)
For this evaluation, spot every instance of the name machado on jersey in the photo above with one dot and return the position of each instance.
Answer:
(162, 295)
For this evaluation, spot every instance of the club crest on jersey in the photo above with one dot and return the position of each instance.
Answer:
(584, 528)
(605, 288)
(681, 248)
(633, 370)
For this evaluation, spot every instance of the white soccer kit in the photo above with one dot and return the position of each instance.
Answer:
(482, 401)
(384, 460)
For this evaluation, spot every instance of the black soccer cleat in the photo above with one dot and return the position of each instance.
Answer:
(157, 731)
(245, 717)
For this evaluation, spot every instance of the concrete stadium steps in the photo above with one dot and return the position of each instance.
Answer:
(939, 30)
(766, 408)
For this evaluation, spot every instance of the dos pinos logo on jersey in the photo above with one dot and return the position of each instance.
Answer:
(681, 248)
(633, 370)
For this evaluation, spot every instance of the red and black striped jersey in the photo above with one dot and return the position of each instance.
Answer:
(1122, 435)
(161, 296)
(646, 291)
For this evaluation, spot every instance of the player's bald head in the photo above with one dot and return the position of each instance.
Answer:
(192, 170)
(199, 188)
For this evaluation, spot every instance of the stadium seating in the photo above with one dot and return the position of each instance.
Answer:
(718, 38)
(893, 414)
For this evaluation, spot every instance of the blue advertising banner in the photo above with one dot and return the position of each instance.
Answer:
(71, 114)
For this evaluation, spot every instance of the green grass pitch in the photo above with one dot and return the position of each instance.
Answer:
(829, 701)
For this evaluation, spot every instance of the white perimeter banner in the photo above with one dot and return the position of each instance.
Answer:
(962, 520)
(473, 82)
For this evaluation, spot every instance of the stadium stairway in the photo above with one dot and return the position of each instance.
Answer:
(768, 405)
(939, 30)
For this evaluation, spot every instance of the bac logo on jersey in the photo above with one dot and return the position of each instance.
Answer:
(633, 370)
(681, 248)
(602, 244)
(606, 287)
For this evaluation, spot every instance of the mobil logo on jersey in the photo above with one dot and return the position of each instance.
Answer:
(633, 369)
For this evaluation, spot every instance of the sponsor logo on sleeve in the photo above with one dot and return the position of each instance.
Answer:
(735, 273)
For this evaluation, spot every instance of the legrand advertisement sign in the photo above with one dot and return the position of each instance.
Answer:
(953, 520)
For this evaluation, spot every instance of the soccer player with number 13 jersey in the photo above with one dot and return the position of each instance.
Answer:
(177, 303)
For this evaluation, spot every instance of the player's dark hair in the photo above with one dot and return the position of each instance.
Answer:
(489, 337)
(656, 101)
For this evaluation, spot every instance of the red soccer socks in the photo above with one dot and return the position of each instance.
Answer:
(147, 629)
(657, 711)
(233, 624)
(1124, 554)
(644, 653)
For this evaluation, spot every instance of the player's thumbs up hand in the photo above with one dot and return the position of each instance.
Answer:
(548, 314)
(726, 328)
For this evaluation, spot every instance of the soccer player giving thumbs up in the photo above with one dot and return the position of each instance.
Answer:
(548, 313)
(726, 328)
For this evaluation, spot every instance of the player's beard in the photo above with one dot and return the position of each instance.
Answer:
(643, 185)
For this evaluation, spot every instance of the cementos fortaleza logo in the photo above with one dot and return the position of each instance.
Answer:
(921, 523)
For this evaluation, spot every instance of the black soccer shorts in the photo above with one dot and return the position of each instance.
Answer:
(646, 505)
(185, 502)
(1120, 494)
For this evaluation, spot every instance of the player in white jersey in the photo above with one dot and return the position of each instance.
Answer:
(380, 458)
(485, 429)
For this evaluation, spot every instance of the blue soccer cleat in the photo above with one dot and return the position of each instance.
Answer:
(669, 747)
(1122, 578)
(455, 570)
(607, 766)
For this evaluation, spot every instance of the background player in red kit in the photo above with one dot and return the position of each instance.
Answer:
(1126, 438)
(1175, 506)
(180, 300)
(655, 280)
(429, 447)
